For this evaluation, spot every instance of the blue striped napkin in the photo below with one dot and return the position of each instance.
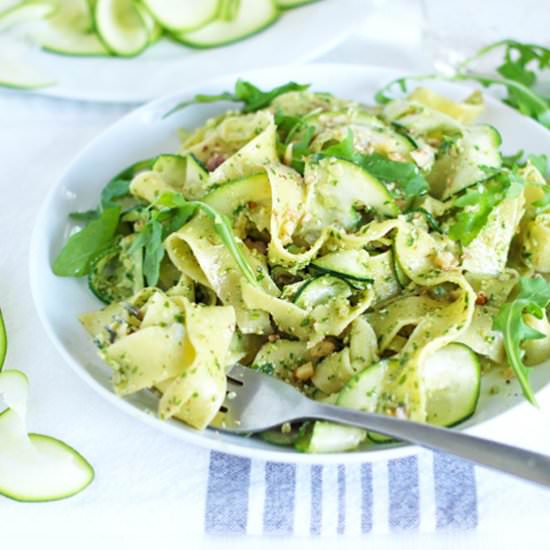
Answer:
(424, 492)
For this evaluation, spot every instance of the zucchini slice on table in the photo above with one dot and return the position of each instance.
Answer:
(253, 16)
(154, 28)
(34, 467)
(183, 15)
(3, 341)
(121, 27)
(70, 31)
(21, 75)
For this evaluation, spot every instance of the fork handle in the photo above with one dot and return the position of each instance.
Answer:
(518, 462)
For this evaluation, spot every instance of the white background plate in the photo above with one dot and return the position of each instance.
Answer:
(144, 133)
(168, 66)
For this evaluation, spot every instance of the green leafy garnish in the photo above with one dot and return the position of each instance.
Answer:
(252, 98)
(300, 149)
(78, 254)
(221, 226)
(478, 201)
(149, 239)
(405, 175)
(512, 161)
(533, 298)
(514, 74)
(540, 162)
(117, 188)
(3, 341)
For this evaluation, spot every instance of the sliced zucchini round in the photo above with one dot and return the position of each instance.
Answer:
(452, 379)
(321, 290)
(228, 9)
(38, 468)
(464, 162)
(230, 197)
(328, 437)
(349, 264)
(172, 168)
(121, 27)
(34, 467)
(341, 187)
(66, 42)
(253, 17)
(14, 389)
(117, 274)
(153, 26)
(70, 31)
(3, 341)
(21, 75)
(363, 390)
(277, 437)
(183, 15)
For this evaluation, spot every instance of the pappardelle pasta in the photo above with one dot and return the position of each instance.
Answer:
(371, 256)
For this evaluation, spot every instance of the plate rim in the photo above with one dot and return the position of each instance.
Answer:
(173, 428)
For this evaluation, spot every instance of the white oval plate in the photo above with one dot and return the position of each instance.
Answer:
(144, 133)
(299, 35)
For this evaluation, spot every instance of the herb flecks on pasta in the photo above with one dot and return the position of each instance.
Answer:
(349, 250)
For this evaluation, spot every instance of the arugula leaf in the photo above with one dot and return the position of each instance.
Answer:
(251, 96)
(478, 201)
(515, 74)
(154, 252)
(511, 161)
(406, 175)
(381, 96)
(221, 225)
(115, 189)
(79, 252)
(300, 150)
(540, 162)
(86, 216)
(533, 298)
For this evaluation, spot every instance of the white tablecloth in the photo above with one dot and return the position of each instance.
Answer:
(151, 490)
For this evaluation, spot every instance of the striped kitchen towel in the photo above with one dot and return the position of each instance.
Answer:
(424, 492)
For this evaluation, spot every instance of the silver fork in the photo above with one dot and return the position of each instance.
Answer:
(256, 402)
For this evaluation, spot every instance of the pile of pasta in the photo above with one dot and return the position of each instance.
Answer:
(348, 268)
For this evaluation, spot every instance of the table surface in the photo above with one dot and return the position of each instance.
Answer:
(38, 138)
